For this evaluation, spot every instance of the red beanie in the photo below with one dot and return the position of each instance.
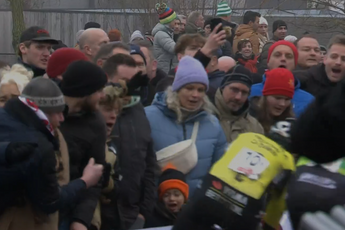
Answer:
(279, 81)
(284, 43)
(60, 60)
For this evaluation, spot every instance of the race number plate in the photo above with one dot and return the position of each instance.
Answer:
(249, 163)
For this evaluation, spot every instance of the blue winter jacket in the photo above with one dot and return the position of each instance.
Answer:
(300, 100)
(165, 130)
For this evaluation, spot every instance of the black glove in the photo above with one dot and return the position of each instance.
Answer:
(138, 80)
(106, 175)
(19, 151)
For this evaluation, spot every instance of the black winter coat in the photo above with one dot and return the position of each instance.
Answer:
(85, 135)
(137, 162)
(314, 80)
(160, 217)
(34, 179)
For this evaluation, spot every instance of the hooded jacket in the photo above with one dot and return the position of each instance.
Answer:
(300, 100)
(211, 142)
(235, 124)
(163, 47)
(246, 32)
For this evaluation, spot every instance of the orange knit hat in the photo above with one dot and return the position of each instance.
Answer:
(171, 178)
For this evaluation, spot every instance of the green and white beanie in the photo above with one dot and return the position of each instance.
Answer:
(223, 9)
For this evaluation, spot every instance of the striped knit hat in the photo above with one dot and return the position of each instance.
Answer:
(166, 14)
(223, 9)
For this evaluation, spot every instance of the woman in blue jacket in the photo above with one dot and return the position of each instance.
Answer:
(174, 112)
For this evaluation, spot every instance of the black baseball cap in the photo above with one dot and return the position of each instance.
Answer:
(38, 34)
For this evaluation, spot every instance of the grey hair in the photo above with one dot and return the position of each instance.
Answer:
(182, 17)
(173, 103)
(193, 16)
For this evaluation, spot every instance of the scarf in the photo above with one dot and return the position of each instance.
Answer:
(38, 112)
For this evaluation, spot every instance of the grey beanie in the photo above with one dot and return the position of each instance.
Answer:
(45, 94)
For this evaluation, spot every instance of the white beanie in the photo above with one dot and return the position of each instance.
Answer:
(263, 21)
(79, 33)
(136, 34)
(290, 38)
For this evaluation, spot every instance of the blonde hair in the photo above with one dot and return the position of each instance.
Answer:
(173, 103)
(114, 95)
(18, 75)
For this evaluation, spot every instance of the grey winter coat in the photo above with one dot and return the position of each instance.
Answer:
(164, 46)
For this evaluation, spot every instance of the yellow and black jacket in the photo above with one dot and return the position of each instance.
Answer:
(258, 167)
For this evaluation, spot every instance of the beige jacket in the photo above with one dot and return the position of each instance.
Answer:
(235, 125)
(247, 32)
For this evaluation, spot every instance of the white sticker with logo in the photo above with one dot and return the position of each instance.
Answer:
(249, 163)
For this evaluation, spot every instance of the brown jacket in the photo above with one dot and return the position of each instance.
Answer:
(234, 125)
(246, 32)
(20, 218)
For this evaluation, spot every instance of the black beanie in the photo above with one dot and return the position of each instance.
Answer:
(92, 25)
(82, 78)
(171, 178)
(237, 77)
(277, 24)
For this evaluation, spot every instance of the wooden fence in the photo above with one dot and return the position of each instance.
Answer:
(64, 26)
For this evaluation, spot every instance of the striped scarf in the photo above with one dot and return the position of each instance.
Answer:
(38, 112)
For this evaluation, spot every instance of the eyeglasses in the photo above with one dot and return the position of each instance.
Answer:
(235, 90)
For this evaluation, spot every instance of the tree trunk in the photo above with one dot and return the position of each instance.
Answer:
(17, 7)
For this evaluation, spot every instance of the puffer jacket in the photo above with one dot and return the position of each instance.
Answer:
(246, 32)
(163, 47)
(233, 125)
(211, 142)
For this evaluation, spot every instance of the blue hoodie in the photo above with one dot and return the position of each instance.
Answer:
(165, 130)
(300, 100)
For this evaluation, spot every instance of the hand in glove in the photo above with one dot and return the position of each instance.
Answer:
(138, 80)
(19, 151)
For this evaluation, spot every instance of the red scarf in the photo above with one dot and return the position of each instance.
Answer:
(38, 112)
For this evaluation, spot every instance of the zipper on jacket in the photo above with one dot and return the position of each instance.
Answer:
(184, 132)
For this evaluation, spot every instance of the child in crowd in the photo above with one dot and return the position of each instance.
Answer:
(110, 106)
(173, 193)
(245, 55)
